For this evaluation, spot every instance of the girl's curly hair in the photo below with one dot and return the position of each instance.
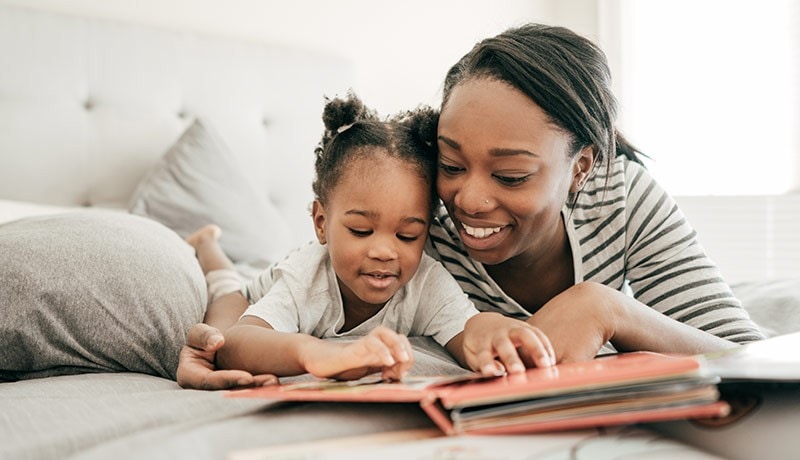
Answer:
(354, 131)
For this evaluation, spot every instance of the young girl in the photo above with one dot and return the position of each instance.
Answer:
(367, 277)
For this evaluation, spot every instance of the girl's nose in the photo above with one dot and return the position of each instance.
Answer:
(383, 248)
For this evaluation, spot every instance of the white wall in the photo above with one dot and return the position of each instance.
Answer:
(401, 50)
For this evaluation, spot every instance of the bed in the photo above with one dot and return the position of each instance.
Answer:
(116, 140)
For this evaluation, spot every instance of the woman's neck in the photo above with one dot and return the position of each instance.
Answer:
(534, 278)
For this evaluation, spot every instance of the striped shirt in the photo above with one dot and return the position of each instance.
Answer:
(627, 233)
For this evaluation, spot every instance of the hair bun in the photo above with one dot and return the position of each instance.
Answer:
(423, 122)
(340, 112)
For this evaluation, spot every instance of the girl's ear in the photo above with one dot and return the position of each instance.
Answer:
(582, 166)
(319, 217)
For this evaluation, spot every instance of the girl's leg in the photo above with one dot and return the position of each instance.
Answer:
(221, 275)
(205, 242)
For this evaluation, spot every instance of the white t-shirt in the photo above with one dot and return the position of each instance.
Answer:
(301, 294)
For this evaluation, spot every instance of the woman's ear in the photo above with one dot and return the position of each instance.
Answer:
(582, 167)
(319, 216)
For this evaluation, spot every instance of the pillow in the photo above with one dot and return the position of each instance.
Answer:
(774, 305)
(14, 209)
(197, 182)
(95, 291)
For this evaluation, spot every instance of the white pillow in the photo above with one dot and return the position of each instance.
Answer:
(199, 181)
(12, 210)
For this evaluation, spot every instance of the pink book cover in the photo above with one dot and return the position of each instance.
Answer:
(612, 375)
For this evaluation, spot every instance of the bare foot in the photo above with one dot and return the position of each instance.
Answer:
(203, 235)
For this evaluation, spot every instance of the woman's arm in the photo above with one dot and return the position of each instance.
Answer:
(196, 367)
(196, 364)
(584, 317)
(668, 270)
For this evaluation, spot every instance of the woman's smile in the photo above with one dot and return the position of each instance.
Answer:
(481, 237)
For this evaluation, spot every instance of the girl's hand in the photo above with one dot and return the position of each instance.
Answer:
(382, 350)
(494, 344)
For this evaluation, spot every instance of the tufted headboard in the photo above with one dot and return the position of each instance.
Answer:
(88, 106)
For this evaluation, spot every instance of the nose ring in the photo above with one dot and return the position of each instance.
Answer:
(486, 201)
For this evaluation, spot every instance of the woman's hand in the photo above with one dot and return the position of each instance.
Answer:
(494, 344)
(579, 321)
(196, 367)
(382, 350)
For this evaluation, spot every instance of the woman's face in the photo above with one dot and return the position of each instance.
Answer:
(504, 172)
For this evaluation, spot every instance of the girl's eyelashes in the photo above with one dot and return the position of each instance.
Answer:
(365, 233)
(407, 238)
(360, 233)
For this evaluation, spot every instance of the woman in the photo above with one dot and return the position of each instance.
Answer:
(549, 216)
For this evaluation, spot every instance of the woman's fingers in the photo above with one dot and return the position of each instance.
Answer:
(264, 380)
(204, 337)
(507, 354)
(196, 370)
(532, 344)
(513, 350)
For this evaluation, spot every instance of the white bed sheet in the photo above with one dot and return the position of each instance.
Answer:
(11, 210)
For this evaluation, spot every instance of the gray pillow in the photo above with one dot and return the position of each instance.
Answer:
(95, 291)
(197, 182)
(774, 305)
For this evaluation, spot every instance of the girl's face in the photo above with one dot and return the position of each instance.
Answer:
(504, 172)
(375, 224)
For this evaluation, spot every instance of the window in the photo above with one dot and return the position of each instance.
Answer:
(709, 90)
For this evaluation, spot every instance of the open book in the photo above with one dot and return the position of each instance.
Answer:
(775, 359)
(612, 390)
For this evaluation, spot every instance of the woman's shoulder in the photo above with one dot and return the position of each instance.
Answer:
(603, 194)
(612, 186)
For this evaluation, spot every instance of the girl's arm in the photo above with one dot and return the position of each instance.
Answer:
(493, 344)
(253, 345)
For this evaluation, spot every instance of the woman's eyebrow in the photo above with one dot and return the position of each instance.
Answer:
(504, 152)
(497, 152)
(449, 142)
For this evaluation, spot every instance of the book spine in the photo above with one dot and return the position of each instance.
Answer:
(438, 414)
